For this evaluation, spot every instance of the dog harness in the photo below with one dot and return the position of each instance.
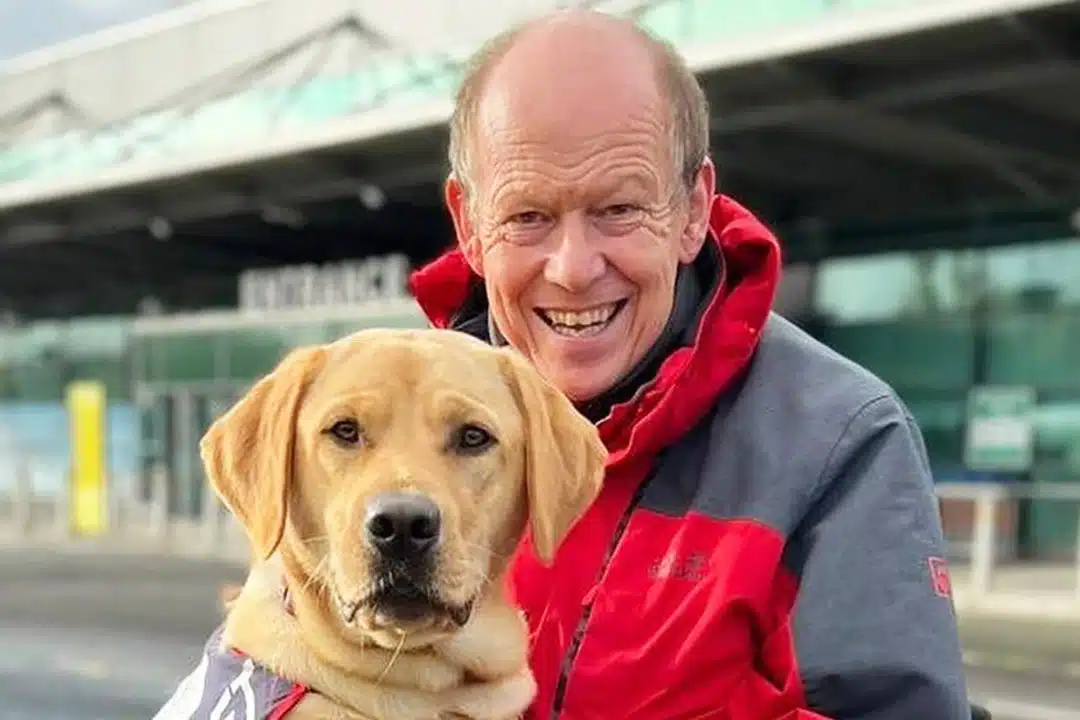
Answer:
(229, 685)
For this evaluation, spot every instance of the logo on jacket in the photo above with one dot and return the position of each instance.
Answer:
(939, 577)
(672, 567)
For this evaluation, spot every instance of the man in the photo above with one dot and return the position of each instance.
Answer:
(767, 543)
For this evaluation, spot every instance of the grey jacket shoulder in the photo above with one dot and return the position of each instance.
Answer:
(823, 452)
(776, 434)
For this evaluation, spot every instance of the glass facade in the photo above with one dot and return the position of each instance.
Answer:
(239, 354)
(933, 324)
(166, 379)
(36, 364)
(37, 361)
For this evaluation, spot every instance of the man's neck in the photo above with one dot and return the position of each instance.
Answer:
(689, 295)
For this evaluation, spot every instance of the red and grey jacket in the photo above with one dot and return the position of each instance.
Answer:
(766, 544)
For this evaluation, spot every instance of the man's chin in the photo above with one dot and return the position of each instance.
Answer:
(581, 382)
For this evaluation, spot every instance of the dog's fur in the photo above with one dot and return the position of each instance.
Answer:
(301, 493)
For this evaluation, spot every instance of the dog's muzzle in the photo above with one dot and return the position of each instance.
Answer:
(404, 531)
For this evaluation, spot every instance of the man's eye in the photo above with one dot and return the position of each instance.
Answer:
(531, 217)
(346, 432)
(619, 210)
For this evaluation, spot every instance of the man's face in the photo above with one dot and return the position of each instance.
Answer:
(578, 221)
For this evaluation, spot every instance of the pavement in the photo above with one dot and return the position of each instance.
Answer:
(1013, 695)
(98, 634)
(87, 636)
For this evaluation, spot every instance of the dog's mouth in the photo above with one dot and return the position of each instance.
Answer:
(401, 604)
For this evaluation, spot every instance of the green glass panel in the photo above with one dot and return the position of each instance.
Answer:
(39, 360)
(253, 353)
(183, 358)
(934, 353)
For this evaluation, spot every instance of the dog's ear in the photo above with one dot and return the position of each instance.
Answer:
(248, 451)
(564, 457)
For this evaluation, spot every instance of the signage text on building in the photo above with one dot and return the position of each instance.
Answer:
(312, 286)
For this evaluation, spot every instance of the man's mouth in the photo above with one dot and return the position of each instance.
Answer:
(582, 323)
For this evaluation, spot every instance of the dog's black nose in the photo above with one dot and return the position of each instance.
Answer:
(402, 525)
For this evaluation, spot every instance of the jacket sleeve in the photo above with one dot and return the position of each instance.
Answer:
(229, 685)
(875, 631)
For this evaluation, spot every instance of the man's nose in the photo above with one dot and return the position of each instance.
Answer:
(574, 263)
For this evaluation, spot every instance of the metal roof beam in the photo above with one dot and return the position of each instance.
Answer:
(897, 94)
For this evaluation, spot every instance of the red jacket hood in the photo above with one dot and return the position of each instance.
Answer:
(691, 378)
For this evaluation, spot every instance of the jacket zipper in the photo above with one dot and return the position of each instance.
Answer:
(616, 538)
(583, 621)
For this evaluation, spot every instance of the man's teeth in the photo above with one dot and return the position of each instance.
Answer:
(592, 316)
(580, 323)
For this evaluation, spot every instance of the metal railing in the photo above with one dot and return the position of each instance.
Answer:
(992, 575)
(132, 524)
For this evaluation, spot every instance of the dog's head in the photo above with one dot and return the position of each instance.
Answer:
(399, 470)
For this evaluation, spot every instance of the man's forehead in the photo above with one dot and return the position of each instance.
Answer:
(557, 75)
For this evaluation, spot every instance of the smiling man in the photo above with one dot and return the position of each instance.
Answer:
(767, 543)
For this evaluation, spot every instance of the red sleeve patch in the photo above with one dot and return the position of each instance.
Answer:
(939, 576)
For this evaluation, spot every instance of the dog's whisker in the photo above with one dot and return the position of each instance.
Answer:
(317, 576)
(393, 658)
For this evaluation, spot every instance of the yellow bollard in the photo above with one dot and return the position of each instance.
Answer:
(88, 494)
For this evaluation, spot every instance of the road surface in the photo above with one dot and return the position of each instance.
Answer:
(93, 637)
(90, 637)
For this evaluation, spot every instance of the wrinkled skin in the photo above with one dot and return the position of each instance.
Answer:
(576, 206)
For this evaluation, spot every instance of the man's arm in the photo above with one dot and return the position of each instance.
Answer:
(874, 626)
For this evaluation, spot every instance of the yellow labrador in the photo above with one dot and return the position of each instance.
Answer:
(384, 480)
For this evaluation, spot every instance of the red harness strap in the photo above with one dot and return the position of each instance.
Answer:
(288, 703)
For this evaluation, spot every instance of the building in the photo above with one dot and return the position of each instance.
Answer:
(921, 162)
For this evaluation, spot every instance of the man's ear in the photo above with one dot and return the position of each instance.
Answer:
(564, 457)
(699, 210)
(248, 451)
(457, 202)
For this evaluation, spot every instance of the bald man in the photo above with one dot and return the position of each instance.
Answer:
(767, 543)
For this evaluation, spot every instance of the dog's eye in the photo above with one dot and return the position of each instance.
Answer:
(473, 439)
(345, 431)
